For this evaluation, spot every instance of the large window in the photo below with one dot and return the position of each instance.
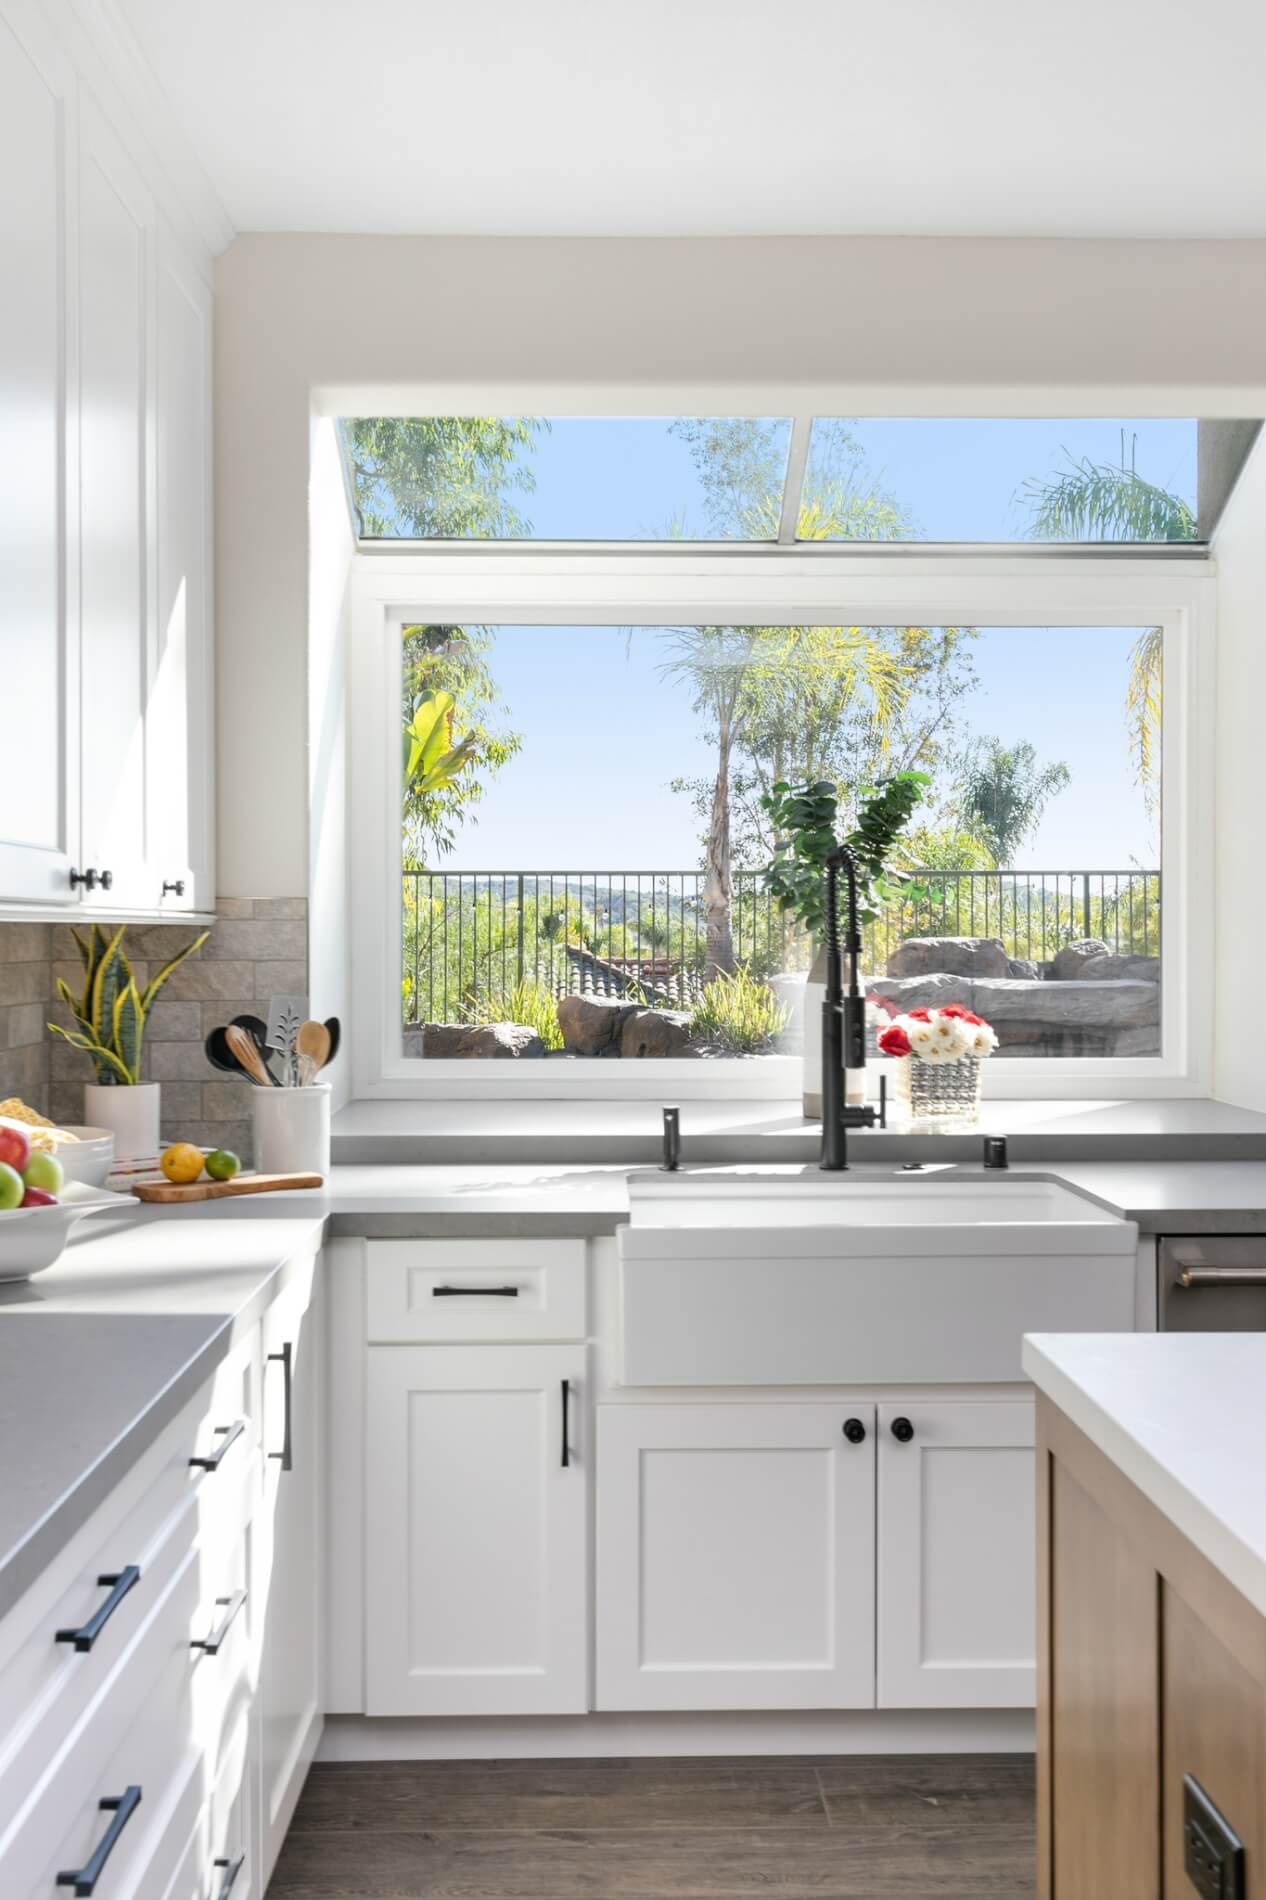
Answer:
(567, 759)
(588, 811)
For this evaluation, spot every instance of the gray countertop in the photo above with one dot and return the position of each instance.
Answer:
(97, 1354)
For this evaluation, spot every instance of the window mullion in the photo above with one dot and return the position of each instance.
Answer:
(793, 486)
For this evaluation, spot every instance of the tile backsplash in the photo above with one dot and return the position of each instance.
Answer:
(257, 948)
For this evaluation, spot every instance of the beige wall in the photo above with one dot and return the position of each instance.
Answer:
(653, 326)
(1240, 903)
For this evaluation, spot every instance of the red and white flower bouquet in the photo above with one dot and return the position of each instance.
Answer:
(939, 1054)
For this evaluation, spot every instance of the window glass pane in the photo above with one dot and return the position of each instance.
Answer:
(583, 814)
(612, 478)
(939, 479)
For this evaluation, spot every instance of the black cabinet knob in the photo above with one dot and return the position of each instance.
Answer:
(178, 886)
(107, 880)
(854, 1431)
(87, 878)
(902, 1430)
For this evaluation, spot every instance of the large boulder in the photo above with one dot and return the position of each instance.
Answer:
(956, 956)
(922, 992)
(500, 1042)
(1067, 1005)
(656, 1033)
(1070, 965)
(593, 1025)
(1107, 968)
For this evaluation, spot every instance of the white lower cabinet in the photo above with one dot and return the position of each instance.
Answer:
(957, 1535)
(288, 1552)
(476, 1512)
(736, 1556)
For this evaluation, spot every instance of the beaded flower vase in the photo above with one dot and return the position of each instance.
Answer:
(940, 1091)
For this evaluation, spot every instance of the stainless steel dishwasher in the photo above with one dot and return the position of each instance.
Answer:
(1213, 1284)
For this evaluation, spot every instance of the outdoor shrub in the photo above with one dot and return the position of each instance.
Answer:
(528, 1003)
(738, 1013)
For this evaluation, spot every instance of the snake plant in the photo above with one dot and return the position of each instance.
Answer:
(111, 1013)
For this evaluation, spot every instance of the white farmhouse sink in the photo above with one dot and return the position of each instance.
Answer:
(740, 1277)
(874, 1198)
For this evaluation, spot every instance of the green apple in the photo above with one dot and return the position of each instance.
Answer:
(12, 1187)
(44, 1171)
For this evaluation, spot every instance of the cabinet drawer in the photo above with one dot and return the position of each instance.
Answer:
(151, 1523)
(138, 1735)
(474, 1290)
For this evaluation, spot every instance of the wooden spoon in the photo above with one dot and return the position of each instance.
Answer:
(243, 1049)
(312, 1046)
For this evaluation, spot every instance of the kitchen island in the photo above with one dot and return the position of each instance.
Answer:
(1152, 1615)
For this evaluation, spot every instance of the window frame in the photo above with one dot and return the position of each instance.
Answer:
(620, 585)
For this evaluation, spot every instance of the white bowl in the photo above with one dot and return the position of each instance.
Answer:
(32, 1238)
(88, 1159)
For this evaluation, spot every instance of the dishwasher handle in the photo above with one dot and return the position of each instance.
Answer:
(1193, 1277)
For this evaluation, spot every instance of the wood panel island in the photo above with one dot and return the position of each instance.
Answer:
(1151, 1730)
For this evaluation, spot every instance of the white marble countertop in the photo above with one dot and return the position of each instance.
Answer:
(97, 1354)
(1183, 1416)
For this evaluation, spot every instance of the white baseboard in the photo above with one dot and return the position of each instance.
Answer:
(814, 1732)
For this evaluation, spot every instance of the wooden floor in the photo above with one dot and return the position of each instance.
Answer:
(923, 1827)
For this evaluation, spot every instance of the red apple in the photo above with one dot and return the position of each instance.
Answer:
(39, 1197)
(15, 1147)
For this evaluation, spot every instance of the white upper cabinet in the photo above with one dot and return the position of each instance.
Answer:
(105, 334)
(116, 241)
(39, 814)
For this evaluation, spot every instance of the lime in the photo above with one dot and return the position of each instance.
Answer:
(223, 1164)
(182, 1163)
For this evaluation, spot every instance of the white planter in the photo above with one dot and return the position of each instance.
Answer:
(854, 1080)
(292, 1130)
(131, 1115)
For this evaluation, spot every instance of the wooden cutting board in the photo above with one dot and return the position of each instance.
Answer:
(168, 1191)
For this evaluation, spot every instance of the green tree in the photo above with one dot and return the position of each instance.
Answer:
(438, 476)
(1004, 792)
(453, 661)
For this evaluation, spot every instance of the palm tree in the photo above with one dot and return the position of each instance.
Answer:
(1093, 501)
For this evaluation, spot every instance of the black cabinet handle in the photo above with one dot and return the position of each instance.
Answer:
(212, 1644)
(177, 887)
(214, 1459)
(87, 878)
(285, 1358)
(118, 1583)
(474, 1292)
(854, 1431)
(902, 1430)
(123, 1806)
(232, 1868)
(566, 1457)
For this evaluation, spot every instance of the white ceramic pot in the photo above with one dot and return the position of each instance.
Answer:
(854, 1079)
(292, 1130)
(130, 1114)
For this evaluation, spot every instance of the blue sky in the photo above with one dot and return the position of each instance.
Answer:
(604, 733)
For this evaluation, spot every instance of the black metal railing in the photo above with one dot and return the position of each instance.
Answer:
(470, 937)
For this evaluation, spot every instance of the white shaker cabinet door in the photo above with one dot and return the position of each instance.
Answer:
(288, 1551)
(736, 1556)
(957, 1536)
(475, 1517)
(178, 720)
(39, 746)
(116, 236)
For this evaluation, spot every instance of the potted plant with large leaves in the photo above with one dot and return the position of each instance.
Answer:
(805, 818)
(110, 1014)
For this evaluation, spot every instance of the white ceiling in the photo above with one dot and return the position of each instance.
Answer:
(657, 117)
